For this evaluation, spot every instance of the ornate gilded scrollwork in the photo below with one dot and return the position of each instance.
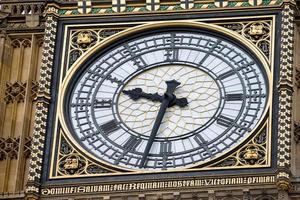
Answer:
(71, 162)
(253, 153)
(82, 40)
(258, 32)
(15, 92)
(236, 27)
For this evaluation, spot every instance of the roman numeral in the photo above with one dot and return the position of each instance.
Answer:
(234, 97)
(202, 143)
(136, 59)
(225, 121)
(171, 54)
(226, 74)
(165, 150)
(109, 127)
(200, 140)
(103, 103)
(139, 62)
(132, 143)
(165, 147)
(114, 80)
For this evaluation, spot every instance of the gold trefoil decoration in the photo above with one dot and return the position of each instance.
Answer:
(83, 39)
(253, 153)
(258, 32)
(71, 162)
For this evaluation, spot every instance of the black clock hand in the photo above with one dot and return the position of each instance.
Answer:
(168, 98)
(138, 93)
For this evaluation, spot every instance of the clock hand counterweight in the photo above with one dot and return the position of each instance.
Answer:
(167, 100)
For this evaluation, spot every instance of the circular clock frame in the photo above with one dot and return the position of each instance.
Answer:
(87, 59)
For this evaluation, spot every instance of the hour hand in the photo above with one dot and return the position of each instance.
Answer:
(138, 93)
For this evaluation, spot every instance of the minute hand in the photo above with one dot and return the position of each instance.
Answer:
(168, 98)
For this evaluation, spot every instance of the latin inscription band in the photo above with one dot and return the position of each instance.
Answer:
(137, 186)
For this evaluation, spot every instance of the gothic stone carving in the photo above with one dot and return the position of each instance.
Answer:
(285, 90)
(9, 147)
(297, 132)
(297, 78)
(15, 92)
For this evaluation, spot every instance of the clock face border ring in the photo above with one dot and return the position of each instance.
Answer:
(234, 37)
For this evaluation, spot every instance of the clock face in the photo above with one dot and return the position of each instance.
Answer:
(166, 99)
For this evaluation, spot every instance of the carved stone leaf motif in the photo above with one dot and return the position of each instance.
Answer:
(71, 162)
(253, 153)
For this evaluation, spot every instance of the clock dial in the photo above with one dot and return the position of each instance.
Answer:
(200, 89)
(112, 104)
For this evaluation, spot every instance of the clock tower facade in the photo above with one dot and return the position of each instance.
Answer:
(150, 99)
